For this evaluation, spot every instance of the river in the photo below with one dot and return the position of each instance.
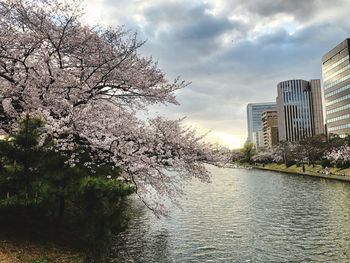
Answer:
(245, 216)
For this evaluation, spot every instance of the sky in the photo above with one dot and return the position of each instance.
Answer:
(233, 52)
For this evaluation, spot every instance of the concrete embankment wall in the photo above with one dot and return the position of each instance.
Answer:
(331, 177)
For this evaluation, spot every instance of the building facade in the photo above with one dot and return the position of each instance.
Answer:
(336, 84)
(254, 123)
(299, 109)
(258, 139)
(270, 127)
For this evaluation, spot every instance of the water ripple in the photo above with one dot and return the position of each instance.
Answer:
(245, 216)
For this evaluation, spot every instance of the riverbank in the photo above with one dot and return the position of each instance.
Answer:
(317, 171)
(17, 251)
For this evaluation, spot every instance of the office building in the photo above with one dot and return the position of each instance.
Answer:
(299, 109)
(336, 84)
(254, 123)
(258, 139)
(270, 127)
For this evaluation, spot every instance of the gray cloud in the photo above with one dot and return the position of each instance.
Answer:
(300, 9)
(191, 26)
(230, 61)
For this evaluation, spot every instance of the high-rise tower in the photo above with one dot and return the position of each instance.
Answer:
(336, 84)
(299, 108)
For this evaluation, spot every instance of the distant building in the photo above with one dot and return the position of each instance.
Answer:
(336, 84)
(258, 139)
(270, 127)
(254, 123)
(299, 108)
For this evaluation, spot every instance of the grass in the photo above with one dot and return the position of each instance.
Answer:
(317, 170)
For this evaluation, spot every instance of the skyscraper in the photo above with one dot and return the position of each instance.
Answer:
(336, 84)
(254, 123)
(299, 108)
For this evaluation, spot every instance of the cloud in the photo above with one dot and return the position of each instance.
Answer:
(191, 28)
(300, 9)
(233, 52)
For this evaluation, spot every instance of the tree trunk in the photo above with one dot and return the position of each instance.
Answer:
(25, 161)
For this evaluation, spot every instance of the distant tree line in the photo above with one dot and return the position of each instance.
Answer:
(332, 151)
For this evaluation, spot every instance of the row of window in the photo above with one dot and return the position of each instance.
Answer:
(344, 107)
(338, 100)
(337, 91)
(333, 83)
(340, 127)
(297, 112)
(337, 72)
(336, 64)
(342, 117)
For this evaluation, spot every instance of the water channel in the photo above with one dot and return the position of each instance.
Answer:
(245, 216)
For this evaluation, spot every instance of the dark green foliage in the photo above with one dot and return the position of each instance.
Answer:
(38, 186)
(39, 260)
(325, 163)
(101, 204)
(248, 152)
(20, 157)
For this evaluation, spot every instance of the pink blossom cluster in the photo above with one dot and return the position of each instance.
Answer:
(267, 155)
(340, 154)
(286, 150)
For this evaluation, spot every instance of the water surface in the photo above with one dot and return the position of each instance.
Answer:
(245, 216)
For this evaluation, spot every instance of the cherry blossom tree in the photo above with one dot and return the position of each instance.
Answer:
(339, 154)
(287, 152)
(264, 156)
(87, 84)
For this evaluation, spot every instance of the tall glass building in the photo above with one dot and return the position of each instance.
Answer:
(254, 122)
(336, 84)
(299, 109)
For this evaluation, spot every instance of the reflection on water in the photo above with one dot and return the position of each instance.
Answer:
(245, 216)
